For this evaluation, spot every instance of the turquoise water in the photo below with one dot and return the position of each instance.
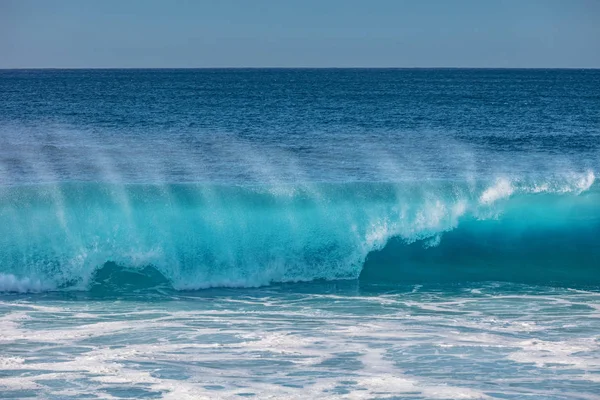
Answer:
(300, 233)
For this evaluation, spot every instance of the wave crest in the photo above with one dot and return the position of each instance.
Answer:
(198, 236)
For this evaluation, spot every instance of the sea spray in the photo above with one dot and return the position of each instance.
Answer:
(197, 235)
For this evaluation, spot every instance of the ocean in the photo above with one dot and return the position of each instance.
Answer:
(300, 233)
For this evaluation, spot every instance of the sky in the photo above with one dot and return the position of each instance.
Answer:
(293, 33)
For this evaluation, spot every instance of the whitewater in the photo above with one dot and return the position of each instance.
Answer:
(292, 233)
(199, 236)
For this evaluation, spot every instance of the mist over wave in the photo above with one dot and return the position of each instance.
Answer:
(243, 178)
(199, 235)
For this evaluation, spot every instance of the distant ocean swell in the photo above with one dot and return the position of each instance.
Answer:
(92, 236)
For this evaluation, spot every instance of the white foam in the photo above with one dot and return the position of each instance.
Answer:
(256, 343)
(503, 188)
(585, 182)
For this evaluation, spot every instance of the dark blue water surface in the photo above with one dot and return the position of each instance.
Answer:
(323, 124)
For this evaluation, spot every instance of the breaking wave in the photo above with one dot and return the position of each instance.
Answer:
(189, 236)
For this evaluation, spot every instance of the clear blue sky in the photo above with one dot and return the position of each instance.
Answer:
(309, 33)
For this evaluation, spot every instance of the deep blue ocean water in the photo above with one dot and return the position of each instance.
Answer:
(302, 233)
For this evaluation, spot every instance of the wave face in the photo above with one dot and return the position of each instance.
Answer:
(190, 236)
(124, 180)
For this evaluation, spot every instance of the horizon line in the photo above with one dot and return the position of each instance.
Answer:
(289, 68)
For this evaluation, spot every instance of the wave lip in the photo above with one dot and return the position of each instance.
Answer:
(193, 236)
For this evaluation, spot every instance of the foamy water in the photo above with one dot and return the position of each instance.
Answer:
(319, 341)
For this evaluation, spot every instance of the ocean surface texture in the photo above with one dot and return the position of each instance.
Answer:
(360, 234)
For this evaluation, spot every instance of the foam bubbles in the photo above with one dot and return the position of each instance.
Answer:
(314, 342)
